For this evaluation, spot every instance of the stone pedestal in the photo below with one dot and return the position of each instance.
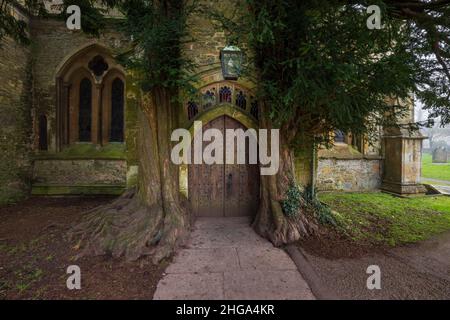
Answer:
(402, 162)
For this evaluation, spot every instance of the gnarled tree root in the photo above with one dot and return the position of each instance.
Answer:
(129, 228)
(271, 223)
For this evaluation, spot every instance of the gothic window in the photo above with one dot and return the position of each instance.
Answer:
(339, 136)
(90, 99)
(241, 102)
(225, 95)
(254, 109)
(43, 145)
(117, 102)
(192, 109)
(209, 99)
(85, 110)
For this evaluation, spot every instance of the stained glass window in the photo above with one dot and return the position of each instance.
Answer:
(225, 94)
(85, 111)
(241, 102)
(117, 101)
(192, 109)
(209, 99)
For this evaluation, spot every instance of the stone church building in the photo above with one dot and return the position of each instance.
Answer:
(68, 122)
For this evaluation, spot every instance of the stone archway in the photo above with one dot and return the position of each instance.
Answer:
(224, 189)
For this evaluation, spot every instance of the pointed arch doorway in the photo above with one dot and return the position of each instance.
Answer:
(224, 190)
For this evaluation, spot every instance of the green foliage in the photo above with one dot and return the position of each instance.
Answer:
(156, 31)
(11, 25)
(322, 212)
(92, 14)
(292, 203)
(297, 198)
(320, 68)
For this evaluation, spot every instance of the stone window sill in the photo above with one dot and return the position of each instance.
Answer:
(81, 151)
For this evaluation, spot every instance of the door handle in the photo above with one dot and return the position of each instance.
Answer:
(229, 182)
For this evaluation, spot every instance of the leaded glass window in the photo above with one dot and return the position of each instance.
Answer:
(85, 111)
(209, 99)
(192, 109)
(241, 101)
(117, 104)
(225, 95)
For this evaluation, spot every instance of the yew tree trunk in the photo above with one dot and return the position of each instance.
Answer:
(271, 221)
(150, 219)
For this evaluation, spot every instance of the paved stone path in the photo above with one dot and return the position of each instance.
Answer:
(443, 186)
(226, 259)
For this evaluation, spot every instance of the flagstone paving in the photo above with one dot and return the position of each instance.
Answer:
(226, 259)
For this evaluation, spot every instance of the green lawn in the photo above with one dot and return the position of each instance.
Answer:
(433, 170)
(380, 218)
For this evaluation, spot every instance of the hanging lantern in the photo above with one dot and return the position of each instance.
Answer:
(231, 60)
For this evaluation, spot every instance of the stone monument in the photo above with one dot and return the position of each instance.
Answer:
(440, 155)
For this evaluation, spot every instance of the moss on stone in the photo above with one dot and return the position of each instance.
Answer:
(224, 109)
(112, 150)
(131, 119)
(341, 151)
(78, 190)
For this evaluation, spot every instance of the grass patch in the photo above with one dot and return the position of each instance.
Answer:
(434, 170)
(381, 218)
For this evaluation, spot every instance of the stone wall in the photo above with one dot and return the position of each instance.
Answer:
(15, 95)
(348, 174)
(77, 169)
(28, 90)
(79, 176)
(53, 44)
(208, 39)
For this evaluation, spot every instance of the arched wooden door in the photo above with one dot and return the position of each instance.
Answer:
(224, 189)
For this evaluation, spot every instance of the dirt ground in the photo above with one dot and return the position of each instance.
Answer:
(35, 254)
(416, 271)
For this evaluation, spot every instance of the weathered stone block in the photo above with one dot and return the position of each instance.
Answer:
(440, 155)
(348, 174)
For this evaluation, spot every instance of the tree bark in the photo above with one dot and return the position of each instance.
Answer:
(151, 219)
(270, 221)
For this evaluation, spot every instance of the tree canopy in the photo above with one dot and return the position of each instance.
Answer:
(318, 66)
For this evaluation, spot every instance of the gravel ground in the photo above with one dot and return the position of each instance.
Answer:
(419, 271)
